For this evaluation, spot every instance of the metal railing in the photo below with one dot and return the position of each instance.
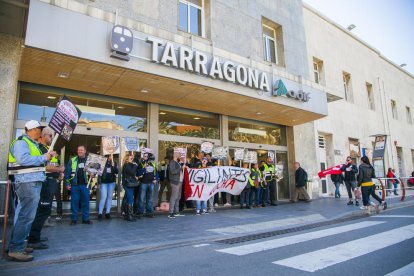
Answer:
(5, 216)
(403, 187)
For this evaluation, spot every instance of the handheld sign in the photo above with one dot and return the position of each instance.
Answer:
(65, 118)
(219, 153)
(110, 145)
(250, 157)
(207, 147)
(95, 165)
(180, 153)
(144, 151)
(238, 154)
(131, 143)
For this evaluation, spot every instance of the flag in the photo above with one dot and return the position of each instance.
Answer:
(186, 184)
(333, 170)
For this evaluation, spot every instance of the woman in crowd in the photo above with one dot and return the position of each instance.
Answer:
(106, 186)
(365, 176)
(129, 182)
(201, 205)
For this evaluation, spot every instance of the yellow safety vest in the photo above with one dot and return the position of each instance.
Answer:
(269, 175)
(74, 168)
(15, 168)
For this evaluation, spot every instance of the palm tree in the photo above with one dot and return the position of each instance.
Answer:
(138, 125)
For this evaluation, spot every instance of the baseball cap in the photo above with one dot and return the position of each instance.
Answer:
(33, 124)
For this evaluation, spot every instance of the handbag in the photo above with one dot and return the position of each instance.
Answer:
(131, 182)
(358, 193)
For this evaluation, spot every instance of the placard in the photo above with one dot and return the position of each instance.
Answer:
(271, 154)
(65, 118)
(220, 153)
(239, 154)
(250, 157)
(95, 164)
(131, 143)
(110, 145)
(145, 150)
(180, 153)
(207, 147)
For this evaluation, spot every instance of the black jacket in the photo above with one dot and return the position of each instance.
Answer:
(366, 173)
(109, 173)
(337, 178)
(301, 177)
(129, 170)
(349, 175)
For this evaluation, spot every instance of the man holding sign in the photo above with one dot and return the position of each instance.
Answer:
(76, 180)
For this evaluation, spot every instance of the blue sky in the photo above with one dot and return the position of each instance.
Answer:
(386, 25)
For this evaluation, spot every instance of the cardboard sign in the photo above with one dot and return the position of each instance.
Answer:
(180, 153)
(110, 145)
(238, 154)
(220, 153)
(271, 154)
(131, 143)
(250, 157)
(144, 151)
(207, 147)
(206, 182)
(95, 164)
(65, 118)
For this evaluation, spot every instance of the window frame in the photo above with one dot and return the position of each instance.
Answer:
(408, 115)
(267, 46)
(346, 79)
(370, 94)
(189, 4)
(394, 109)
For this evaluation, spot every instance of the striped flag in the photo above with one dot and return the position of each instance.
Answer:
(333, 170)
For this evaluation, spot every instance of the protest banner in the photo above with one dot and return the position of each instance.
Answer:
(131, 143)
(207, 147)
(202, 184)
(219, 153)
(95, 165)
(144, 151)
(110, 145)
(64, 120)
(250, 157)
(181, 154)
(238, 154)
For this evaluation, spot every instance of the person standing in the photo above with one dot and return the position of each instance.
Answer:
(129, 182)
(246, 195)
(164, 181)
(76, 180)
(44, 208)
(350, 171)
(175, 173)
(27, 165)
(301, 177)
(147, 171)
(365, 176)
(337, 180)
(269, 172)
(107, 184)
(257, 179)
(201, 205)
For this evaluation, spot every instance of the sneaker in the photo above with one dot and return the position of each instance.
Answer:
(227, 205)
(204, 212)
(86, 222)
(179, 215)
(215, 204)
(100, 217)
(73, 222)
(171, 216)
(197, 213)
(212, 210)
(58, 218)
(108, 216)
(20, 256)
(385, 205)
(350, 203)
(356, 203)
(38, 245)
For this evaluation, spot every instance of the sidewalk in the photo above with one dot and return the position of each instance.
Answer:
(119, 237)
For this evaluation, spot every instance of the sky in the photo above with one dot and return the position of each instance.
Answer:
(386, 25)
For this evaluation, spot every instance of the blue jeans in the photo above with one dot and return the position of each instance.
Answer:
(246, 196)
(129, 194)
(106, 191)
(146, 192)
(258, 195)
(79, 193)
(337, 185)
(28, 194)
(395, 188)
(201, 205)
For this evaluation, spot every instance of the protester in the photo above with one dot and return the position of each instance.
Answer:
(44, 208)
(175, 173)
(396, 182)
(147, 172)
(129, 182)
(107, 186)
(76, 180)
(411, 180)
(269, 173)
(163, 174)
(247, 194)
(301, 177)
(201, 205)
(350, 180)
(27, 165)
(365, 175)
(337, 180)
(257, 179)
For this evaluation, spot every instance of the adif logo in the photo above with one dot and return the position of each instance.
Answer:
(279, 89)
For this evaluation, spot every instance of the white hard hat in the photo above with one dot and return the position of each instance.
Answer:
(33, 124)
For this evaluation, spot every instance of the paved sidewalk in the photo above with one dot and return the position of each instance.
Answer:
(117, 236)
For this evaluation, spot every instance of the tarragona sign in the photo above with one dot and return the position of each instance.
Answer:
(199, 63)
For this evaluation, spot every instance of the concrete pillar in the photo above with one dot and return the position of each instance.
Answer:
(290, 137)
(224, 130)
(152, 143)
(10, 55)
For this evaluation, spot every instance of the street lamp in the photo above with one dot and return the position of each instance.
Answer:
(351, 27)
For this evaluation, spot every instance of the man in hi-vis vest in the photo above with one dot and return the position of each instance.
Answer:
(269, 174)
(27, 167)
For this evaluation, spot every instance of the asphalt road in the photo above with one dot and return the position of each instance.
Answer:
(376, 245)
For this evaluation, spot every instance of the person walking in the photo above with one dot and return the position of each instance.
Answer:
(365, 176)
(301, 177)
(147, 172)
(107, 184)
(44, 208)
(129, 183)
(269, 174)
(337, 180)
(350, 171)
(176, 175)
(27, 166)
(76, 180)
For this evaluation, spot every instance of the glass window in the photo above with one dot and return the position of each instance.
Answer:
(242, 130)
(193, 150)
(185, 122)
(269, 44)
(190, 17)
(107, 113)
(183, 17)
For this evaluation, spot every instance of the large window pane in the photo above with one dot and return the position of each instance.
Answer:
(272, 51)
(183, 17)
(195, 21)
(185, 122)
(95, 113)
(247, 131)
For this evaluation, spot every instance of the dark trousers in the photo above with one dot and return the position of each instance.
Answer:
(246, 196)
(79, 195)
(350, 187)
(136, 199)
(272, 191)
(44, 209)
(366, 192)
(58, 196)
(265, 194)
(375, 196)
(164, 184)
